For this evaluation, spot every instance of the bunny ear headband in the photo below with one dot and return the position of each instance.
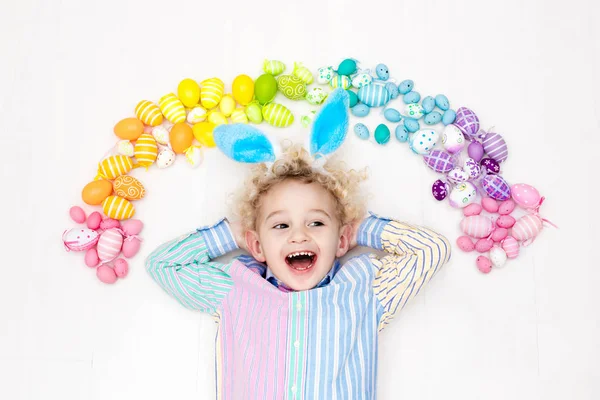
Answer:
(244, 143)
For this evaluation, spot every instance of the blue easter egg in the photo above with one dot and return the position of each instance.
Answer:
(442, 102)
(401, 133)
(448, 117)
(432, 118)
(405, 86)
(360, 110)
(392, 115)
(412, 97)
(361, 131)
(382, 134)
(412, 125)
(347, 67)
(393, 89)
(428, 104)
(353, 97)
(382, 72)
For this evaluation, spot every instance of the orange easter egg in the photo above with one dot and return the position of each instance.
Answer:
(95, 192)
(117, 208)
(129, 128)
(181, 137)
(149, 113)
(128, 187)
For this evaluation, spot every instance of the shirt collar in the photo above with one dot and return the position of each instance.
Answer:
(324, 282)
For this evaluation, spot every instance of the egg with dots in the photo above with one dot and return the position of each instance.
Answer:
(114, 166)
(484, 245)
(505, 221)
(118, 208)
(465, 243)
(423, 141)
(129, 128)
(121, 268)
(79, 239)
(506, 207)
(108, 223)
(96, 191)
(109, 245)
(165, 158)
(526, 196)
(149, 113)
(497, 256)
(181, 137)
(128, 187)
(484, 264)
(477, 226)
(499, 234)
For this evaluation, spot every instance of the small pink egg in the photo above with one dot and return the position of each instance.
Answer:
(465, 243)
(77, 214)
(490, 205)
(106, 274)
(506, 207)
(132, 226)
(472, 209)
(484, 264)
(499, 234)
(94, 220)
(131, 246)
(505, 221)
(108, 223)
(484, 245)
(91, 257)
(121, 267)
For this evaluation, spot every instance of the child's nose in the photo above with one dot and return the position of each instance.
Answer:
(298, 236)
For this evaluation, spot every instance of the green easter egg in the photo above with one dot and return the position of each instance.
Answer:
(265, 88)
(254, 113)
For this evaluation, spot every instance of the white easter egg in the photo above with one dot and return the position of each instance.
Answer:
(453, 139)
(424, 140)
(78, 239)
(414, 110)
(324, 75)
(498, 256)
(361, 80)
(161, 134)
(194, 156)
(125, 147)
(462, 195)
(165, 158)
(196, 114)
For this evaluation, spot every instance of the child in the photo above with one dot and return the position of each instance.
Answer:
(293, 322)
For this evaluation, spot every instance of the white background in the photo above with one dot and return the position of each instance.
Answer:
(71, 69)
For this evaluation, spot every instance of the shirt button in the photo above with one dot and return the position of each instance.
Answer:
(294, 389)
(299, 306)
(297, 343)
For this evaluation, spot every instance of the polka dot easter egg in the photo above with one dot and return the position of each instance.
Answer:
(361, 80)
(324, 75)
(414, 111)
(78, 239)
(525, 195)
(424, 141)
(382, 72)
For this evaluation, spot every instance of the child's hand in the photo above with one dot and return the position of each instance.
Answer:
(238, 234)
(354, 235)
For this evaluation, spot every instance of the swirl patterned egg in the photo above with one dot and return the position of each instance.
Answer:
(291, 86)
(128, 187)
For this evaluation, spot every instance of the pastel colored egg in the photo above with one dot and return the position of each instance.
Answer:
(188, 92)
(353, 98)
(392, 115)
(78, 239)
(106, 274)
(317, 95)
(217, 118)
(242, 89)
(128, 188)
(254, 113)
(442, 102)
(490, 165)
(273, 67)
(490, 205)
(477, 226)
(374, 95)
(439, 160)
(203, 132)
(496, 187)
(324, 75)
(131, 246)
(506, 207)
(109, 245)
(484, 264)
(361, 131)
(125, 148)
(472, 209)
(412, 125)
(91, 257)
(467, 122)
(129, 128)
(428, 104)
(475, 149)
(497, 256)
(510, 245)
(527, 227)
(161, 135)
(382, 72)
(462, 195)
(392, 89)
(439, 189)
(211, 92)
(340, 81)
(347, 67)
(401, 133)
(118, 208)
(406, 86)
(292, 87)
(424, 140)
(360, 110)
(414, 110)
(411, 97)
(472, 169)
(361, 80)
(149, 113)
(495, 146)
(93, 221)
(172, 108)
(166, 157)
(96, 191)
(448, 117)
(525, 195)
(452, 139)
(484, 245)
(458, 175)
(499, 234)
(132, 226)
(145, 150)
(77, 214)
(181, 137)
(109, 223)
(433, 118)
(465, 244)
(194, 156)
(121, 267)
(196, 114)
(277, 115)
(382, 134)
(238, 116)
(506, 221)
(114, 166)
(303, 73)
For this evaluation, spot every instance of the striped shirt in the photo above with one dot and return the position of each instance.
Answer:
(316, 344)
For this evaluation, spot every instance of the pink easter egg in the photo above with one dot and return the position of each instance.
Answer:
(475, 151)
(527, 227)
(472, 209)
(506, 207)
(477, 226)
(109, 245)
(121, 267)
(106, 274)
(465, 244)
(131, 246)
(109, 223)
(490, 205)
(484, 245)
(505, 221)
(132, 226)
(91, 257)
(511, 247)
(499, 234)
(525, 195)
(77, 214)
(78, 239)
(94, 220)
(484, 264)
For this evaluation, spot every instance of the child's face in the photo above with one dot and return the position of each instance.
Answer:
(298, 234)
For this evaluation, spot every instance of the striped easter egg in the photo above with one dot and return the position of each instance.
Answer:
(439, 161)
(148, 113)
(114, 166)
(117, 207)
(211, 91)
(172, 108)
(277, 115)
(273, 67)
(495, 146)
(496, 187)
(238, 116)
(128, 187)
(374, 95)
(303, 73)
(477, 226)
(145, 150)
(109, 245)
(467, 122)
(291, 86)
(511, 247)
(340, 81)
(527, 227)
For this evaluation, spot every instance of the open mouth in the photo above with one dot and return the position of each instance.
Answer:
(301, 260)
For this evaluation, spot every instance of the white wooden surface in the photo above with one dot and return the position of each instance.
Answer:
(72, 69)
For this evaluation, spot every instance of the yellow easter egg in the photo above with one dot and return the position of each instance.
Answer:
(238, 116)
(128, 187)
(172, 108)
(211, 92)
(114, 166)
(148, 113)
(243, 89)
(188, 92)
(217, 118)
(145, 150)
(203, 132)
(118, 208)
(227, 105)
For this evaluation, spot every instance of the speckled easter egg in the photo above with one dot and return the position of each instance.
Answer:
(361, 131)
(497, 256)
(484, 264)
(465, 243)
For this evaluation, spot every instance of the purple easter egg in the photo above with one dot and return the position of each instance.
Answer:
(475, 150)
(439, 190)
(496, 187)
(490, 165)
(495, 146)
(439, 161)
(467, 122)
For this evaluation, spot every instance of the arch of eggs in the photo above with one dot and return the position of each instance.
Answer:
(181, 124)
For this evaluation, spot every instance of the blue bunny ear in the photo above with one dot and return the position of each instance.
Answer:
(244, 143)
(331, 124)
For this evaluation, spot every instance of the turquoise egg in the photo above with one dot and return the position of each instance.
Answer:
(393, 89)
(401, 133)
(392, 115)
(405, 86)
(442, 102)
(448, 117)
(412, 125)
(353, 98)
(361, 131)
(412, 97)
(382, 72)
(428, 104)
(360, 110)
(347, 67)
(382, 134)
(432, 118)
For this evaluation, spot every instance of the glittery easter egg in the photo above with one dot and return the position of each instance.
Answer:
(439, 161)
(496, 187)
(439, 189)
(467, 122)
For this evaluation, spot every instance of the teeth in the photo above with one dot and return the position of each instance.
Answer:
(301, 253)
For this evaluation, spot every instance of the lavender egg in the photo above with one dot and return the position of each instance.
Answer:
(467, 122)
(439, 161)
(439, 190)
(495, 146)
(490, 165)
(496, 187)
(475, 150)
(453, 139)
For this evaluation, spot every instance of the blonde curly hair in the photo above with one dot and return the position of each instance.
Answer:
(296, 163)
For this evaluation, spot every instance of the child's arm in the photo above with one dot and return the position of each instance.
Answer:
(183, 267)
(415, 255)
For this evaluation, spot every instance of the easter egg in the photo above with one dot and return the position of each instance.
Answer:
(392, 115)
(510, 245)
(499, 234)
(527, 227)
(166, 157)
(490, 205)
(411, 124)
(347, 67)
(432, 118)
(109, 245)
(526, 195)
(172, 108)
(448, 117)
(316, 96)
(467, 122)
(91, 257)
(196, 114)
(340, 81)
(93, 221)
(411, 97)
(471, 168)
(353, 98)
(227, 105)
(273, 67)
(243, 89)
(217, 118)
(472, 209)
(457, 175)
(194, 156)
(361, 80)
(428, 104)
(238, 116)
(442, 102)
(414, 111)
(484, 245)
(132, 227)
(324, 75)
(439, 161)
(77, 214)
(265, 88)
(145, 150)
(496, 187)
(475, 149)
(128, 187)
(181, 137)
(490, 165)
(211, 92)
(439, 189)
(465, 244)
(121, 268)
(405, 86)
(453, 139)
(495, 146)
(505, 221)
(129, 128)
(361, 131)
(160, 134)
(423, 141)
(303, 73)
(78, 239)
(291, 86)
(497, 256)
(506, 207)
(374, 95)
(148, 113)
(401, 133)
(109, 223)
(277, 115)
(477, 226)
(106, 274)
(360, 110)
(131, 246)
(382, 72)
(118, 208)
(393, 89)
(113, 166)
(254, 113)
(188, 92)
(462, 195)
(382, 134)
(125, 148)
(484, 264)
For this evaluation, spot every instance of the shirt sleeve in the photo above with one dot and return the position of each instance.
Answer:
(183, 267)
(415, 255)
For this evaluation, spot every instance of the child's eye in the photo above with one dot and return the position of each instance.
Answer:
(280, 226)
(316, 223)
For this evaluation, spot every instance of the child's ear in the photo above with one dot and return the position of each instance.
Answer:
(254, 247)
(344, 243)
